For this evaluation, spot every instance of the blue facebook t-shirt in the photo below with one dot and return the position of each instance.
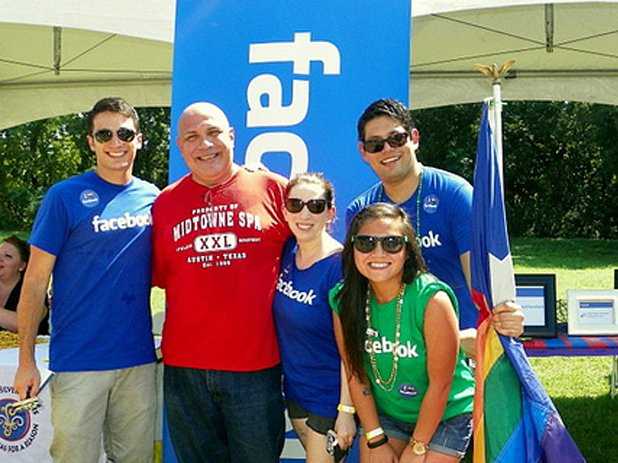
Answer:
(100, 234)
(304, 321)
(444, 223)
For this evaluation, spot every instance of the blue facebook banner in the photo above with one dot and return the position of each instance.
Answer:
(293, 76)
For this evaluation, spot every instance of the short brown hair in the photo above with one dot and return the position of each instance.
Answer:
(112, 104)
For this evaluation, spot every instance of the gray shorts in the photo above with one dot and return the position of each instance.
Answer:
(320, 424)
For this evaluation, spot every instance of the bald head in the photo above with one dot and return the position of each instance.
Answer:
(203, 110)
(206, 142)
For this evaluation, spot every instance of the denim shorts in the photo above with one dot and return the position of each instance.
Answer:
(451, 438)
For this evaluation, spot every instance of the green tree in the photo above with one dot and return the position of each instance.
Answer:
(152, 159)
(560, 163)
(36, 155)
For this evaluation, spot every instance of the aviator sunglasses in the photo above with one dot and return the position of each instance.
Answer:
(367, 243)
(394, 140)
(123, 133)
(315, 206)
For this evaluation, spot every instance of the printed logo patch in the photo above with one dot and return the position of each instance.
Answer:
(430, 204)
(13, 425)
(89, 198)
(21, 438)
(408, 390)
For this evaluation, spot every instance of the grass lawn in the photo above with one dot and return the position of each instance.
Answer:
(578, 264)
(579, 386)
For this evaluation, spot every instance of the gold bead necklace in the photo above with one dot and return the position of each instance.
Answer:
(385, 384)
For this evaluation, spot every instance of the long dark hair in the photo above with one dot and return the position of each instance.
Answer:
(353, 294)
(23, 248)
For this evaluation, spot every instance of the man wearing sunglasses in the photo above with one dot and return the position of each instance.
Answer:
(218, 235)
(438, 203)
(93, 232)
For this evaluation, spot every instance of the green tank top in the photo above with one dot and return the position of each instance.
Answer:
(403, 402)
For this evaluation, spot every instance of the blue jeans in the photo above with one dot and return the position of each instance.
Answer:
(223, 416)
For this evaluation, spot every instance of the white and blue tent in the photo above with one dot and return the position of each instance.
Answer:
(57, 57)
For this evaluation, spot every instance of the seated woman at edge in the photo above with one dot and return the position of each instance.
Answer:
(14, 255)
(315, 388)
(397, 331)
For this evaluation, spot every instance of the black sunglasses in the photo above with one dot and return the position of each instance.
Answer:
(123, 133)
(315, 206)
(390, 244)
(394, 140)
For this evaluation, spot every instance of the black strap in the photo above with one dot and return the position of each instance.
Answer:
(378, 443)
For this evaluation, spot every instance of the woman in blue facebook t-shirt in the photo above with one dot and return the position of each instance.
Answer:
(317, 398)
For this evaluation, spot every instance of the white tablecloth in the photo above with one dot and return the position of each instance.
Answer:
(24, 436)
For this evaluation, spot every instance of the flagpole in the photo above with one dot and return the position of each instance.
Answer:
(496, 73)
(503, 286)
(497, 113)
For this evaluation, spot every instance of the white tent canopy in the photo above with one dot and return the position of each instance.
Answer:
(59, 57)
(564, 50)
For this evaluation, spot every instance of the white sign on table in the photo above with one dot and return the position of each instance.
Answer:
(593, 312)
(25, 436)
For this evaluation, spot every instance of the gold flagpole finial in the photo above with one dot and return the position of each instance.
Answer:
(494, 71)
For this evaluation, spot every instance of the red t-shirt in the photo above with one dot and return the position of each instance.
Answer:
(216, 254)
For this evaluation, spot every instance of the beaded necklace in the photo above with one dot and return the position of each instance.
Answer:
(385, 384)
(419, 193)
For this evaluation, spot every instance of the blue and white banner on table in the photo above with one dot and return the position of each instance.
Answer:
(293, 77)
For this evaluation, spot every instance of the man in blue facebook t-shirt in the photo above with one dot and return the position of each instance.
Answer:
(92, 232)
(438, 203)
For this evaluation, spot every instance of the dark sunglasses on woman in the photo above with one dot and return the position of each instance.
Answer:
(123, 133)
(390, 244)
(394, 140)
(295, 205)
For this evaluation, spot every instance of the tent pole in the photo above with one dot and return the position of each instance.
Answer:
(57, 49)
(549, 27)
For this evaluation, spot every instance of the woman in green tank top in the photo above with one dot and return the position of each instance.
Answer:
(397, 331)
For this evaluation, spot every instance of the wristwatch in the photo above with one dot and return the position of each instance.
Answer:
(418, 447)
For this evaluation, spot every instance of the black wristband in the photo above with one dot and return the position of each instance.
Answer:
(378, 443)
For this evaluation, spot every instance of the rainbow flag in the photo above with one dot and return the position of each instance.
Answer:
(514, 418)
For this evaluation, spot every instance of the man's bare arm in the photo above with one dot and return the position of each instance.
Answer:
(30, 311)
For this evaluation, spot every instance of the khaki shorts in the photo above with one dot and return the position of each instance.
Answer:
(114, 409)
